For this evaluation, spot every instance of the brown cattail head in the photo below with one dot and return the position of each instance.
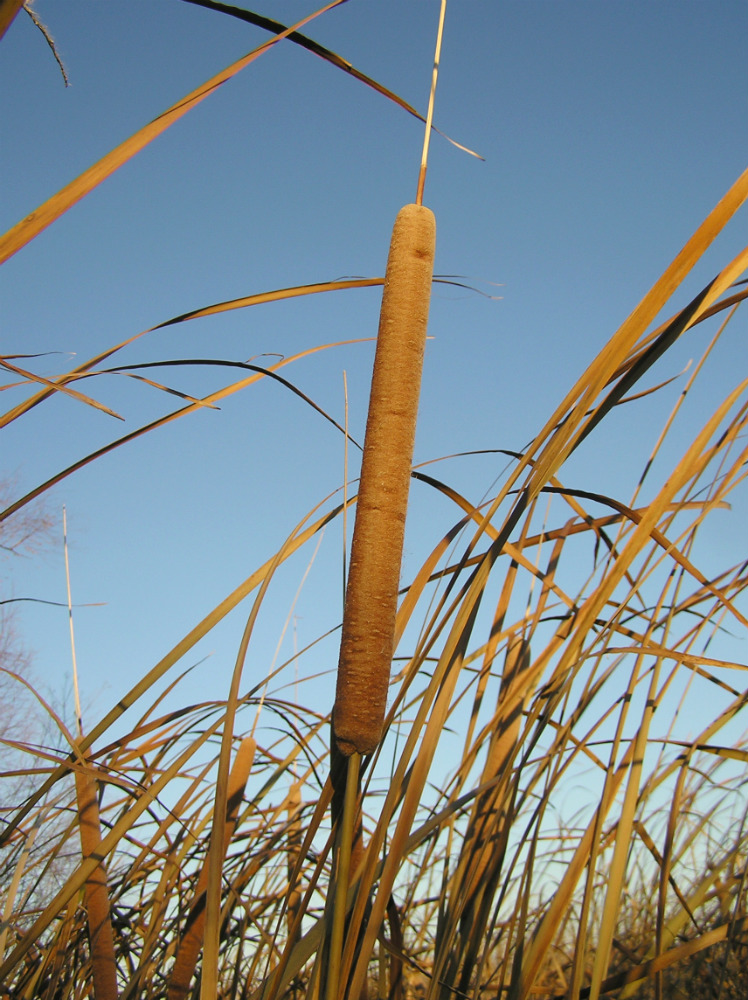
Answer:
(367, 643)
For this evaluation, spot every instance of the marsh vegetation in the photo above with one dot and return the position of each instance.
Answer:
(553, 803)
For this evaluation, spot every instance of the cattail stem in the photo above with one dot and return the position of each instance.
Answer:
(344, 839)
(367, 643)
(96, 894)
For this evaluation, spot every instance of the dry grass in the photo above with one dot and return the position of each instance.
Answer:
(546, 651)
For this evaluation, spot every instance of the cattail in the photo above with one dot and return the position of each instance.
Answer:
(367, 643)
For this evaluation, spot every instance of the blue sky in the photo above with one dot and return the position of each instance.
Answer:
(609, 130)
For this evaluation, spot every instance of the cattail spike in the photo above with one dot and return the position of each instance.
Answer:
(367, 643)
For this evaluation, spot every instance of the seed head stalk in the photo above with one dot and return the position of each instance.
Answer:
(370, 610)
(430, 112)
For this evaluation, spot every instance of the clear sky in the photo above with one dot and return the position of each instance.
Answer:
(609, 130)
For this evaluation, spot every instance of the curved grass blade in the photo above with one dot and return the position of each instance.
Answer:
(86, 869)
(296, 541)
(31, 377)
(58, 204)
(580, 398)
(250, 300)
(332, 57)
(192, 939)
(9, 9)
(162, 421)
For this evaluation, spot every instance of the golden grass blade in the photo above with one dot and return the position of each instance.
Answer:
(241, 303)
(275, 296)
(58, 204)
(181, 649)
(490, 807)
(18, 872)
(432, 95)
(169, 390)
(107, 844)
(569, 414)
(666, 867)
(270, 373)
(645, 343)
(8, 11)
(623, 836)
(206, 401)
(192, 940)
(541, 942)
(726, 753)
(31, 377)
(687, 318)
(332, 57)
(293, 864)
(678, 954)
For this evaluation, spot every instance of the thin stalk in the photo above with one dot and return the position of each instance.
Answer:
(430, 112)
(76, 689)
(96, 891)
